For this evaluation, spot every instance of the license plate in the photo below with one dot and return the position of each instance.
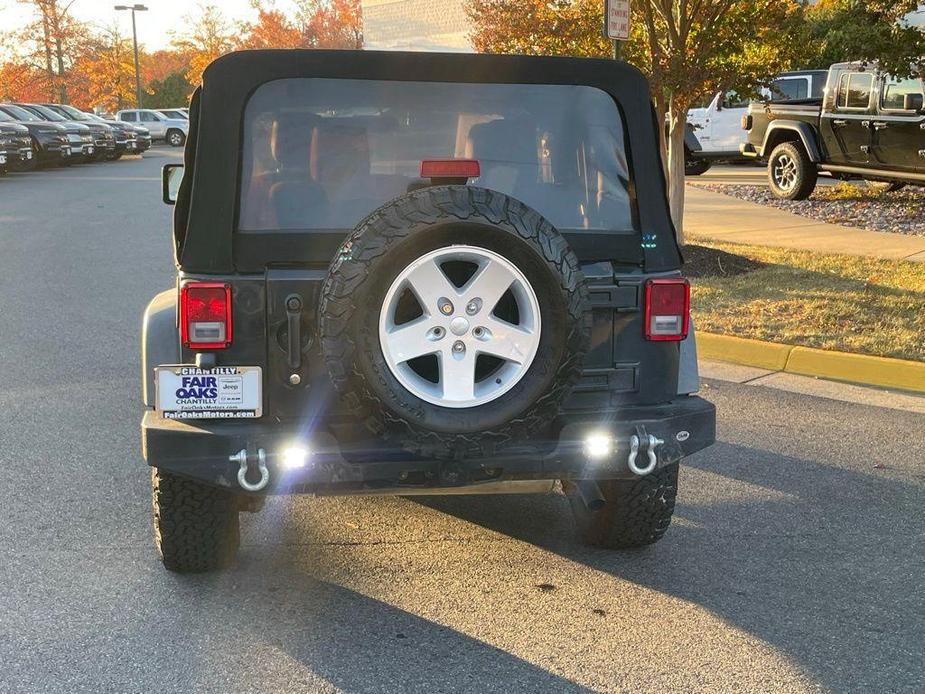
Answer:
(131, 145)
(2, 159)
(66, 152)
(90, 149)
(29, 154)
(223, 392)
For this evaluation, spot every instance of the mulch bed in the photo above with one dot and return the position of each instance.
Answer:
(900, 212)
(701, 261)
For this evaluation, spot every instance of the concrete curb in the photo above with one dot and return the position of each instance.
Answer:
(806, 361)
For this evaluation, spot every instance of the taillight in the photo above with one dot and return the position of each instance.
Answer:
(666, 308)
(205, 315)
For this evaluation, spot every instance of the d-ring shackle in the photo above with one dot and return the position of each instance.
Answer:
(653, 443)
(241, 458)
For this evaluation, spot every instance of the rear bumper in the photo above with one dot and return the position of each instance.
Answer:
(201, 450)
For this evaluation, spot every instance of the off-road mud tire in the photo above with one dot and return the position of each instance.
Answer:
(195, 525)
(636, 512)
(380, 248)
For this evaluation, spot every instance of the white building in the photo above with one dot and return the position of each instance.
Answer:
(416, 25)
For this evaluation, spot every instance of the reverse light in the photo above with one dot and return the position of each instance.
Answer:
(295, 457)
(666, 308)
(450, 168)
(205, 315)
(598, 445)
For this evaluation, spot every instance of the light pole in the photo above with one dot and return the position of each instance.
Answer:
(134, 9)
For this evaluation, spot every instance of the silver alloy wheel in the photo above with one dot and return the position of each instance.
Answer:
(785, 172)
(458, 325)
(175, 138)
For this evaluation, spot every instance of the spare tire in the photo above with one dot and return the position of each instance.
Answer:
(454, 320)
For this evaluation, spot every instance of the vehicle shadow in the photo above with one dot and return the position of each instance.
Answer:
(823, 564)
(322, 636)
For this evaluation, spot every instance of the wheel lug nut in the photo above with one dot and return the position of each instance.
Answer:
(459, 347)
(445, 306)
(478, 332)
(474, 306)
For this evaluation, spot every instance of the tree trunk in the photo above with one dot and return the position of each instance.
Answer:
(59, 52)
(661, 110)
(677, 125)
(48, 68)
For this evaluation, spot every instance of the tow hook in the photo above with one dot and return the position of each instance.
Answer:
(241, 458)
(648, 443)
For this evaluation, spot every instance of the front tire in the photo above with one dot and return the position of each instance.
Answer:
(195, 526)
(791, 175)
(636, 512)
(175, 138)
(695, 167)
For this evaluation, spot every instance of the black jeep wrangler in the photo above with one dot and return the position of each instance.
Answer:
(418, 273)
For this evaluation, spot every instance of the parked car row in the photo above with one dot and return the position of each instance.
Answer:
(36, 135)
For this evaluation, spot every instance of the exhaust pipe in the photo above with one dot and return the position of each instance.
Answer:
(590, 494)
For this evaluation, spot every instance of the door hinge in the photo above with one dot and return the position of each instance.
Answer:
(922, 153)
(865, 149)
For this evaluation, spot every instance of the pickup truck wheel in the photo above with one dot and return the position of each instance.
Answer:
(791, 175)
(695, 167)
(195, 526)
(636, 512)
(175, 138)
(455, 320)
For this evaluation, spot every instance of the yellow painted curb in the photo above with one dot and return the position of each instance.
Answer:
(858, 368)
(739, 350)
(806, 361)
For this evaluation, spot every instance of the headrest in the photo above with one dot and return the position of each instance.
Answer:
(507, 140)
(341, 150)
(291, 139)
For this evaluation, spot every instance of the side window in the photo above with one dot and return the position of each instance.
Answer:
(790, 88)
(894, 91)
(733, 100)
(148, 118)
(130, 117)
(854, 90)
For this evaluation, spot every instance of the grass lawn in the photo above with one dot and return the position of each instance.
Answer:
(836, 302)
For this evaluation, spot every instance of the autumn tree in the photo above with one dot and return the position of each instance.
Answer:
(273, 29)
(22, 81)
(330, 23)
(871, 30)
(688, 48)
(105, 73)
(208, 36)
(539, 27)
(52, 41)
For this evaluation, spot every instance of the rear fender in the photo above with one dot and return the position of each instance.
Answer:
(160, 341)
(791, 130)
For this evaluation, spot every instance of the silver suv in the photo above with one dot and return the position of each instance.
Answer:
(173, 131)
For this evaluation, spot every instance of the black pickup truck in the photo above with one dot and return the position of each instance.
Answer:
(868, 125)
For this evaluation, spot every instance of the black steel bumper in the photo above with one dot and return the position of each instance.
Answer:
(201, 450)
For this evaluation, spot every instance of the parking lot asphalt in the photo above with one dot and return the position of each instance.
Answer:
(795, 562)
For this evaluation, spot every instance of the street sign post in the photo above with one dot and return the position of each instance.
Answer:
(617, 19)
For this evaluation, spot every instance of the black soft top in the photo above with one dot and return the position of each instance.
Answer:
(206, 213)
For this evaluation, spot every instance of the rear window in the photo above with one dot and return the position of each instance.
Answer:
(323, 153)
(854, 90)
(787, 89)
